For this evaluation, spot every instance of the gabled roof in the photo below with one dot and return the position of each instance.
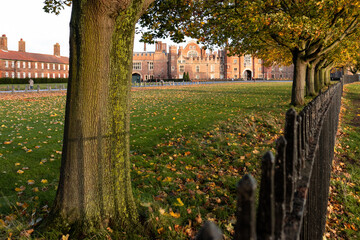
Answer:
(32, 57)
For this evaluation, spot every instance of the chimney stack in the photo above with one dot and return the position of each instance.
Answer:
(57, 49)
(21, 45)
(3, 42)
(144, 46)
(180, 50)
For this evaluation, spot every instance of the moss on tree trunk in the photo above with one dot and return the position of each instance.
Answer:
(95, 188)
(298, 87)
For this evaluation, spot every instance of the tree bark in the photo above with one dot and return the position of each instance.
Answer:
(298, 87)
(310, 78)
(95, 187)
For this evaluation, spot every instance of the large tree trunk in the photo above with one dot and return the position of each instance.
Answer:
(317, 77)
(327, 76)
(95, 187)
(310, 78)
(298, 87)
(322, 77)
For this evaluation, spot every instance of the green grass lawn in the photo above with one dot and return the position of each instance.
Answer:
(189, 147)
(344, 217)
(5, 87)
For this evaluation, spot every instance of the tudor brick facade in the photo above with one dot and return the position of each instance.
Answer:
(201, 65)
(22, 64)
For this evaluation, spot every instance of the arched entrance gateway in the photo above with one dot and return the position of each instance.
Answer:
(135, 78)
(247, 75)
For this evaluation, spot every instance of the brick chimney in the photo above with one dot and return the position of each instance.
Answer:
(144, 46)
(3, 42)
(180, 50)
(57, 49)
(21, 45)
(203, 52)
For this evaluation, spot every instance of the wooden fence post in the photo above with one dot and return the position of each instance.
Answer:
(291, 156)
(245, 227)
(280, 187)
(265, 219)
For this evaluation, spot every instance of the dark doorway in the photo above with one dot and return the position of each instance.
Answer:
(248, 75)
(135, 78)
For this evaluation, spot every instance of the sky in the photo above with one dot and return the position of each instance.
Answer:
(26, 19)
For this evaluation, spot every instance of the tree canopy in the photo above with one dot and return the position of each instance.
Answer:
(300, 30)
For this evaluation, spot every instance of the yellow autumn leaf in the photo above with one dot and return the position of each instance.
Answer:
(44, 181)
(20, 171)
(7, 142)
(30, 182)
(179, 203)
(17, 164)
(20, 189)
(175, 215)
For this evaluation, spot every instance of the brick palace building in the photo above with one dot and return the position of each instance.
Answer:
(200, 65)
(22, 64)
(164, 63)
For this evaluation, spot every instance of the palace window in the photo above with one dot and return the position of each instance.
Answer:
(247, 60)
(24, 64)
(59, 67)
(29, 75)
(18, 64)
(24, 75)
(36, 65)
(64, 67)
(29, 64)
(151, 65)
(36, 75)
(48, 65)
(212, 68)
(235, 69)
(6, 74)
(172, 68)
(137, 65)
(18, 75)
(212, 76)
(59, 76)
(53, 75)
(12, 64)
(235, 60)
(259, 69)
(182, 68)
(54, 67)
(197, 69)
(6, 64)
(64, 75)
(42, 75)
(260, 61)
(48, 75)
(42, 65)
(192, 53)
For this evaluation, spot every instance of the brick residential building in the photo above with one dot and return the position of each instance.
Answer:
(201, 65)
(22, 64)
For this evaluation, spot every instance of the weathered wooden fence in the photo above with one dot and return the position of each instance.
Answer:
(294, 184)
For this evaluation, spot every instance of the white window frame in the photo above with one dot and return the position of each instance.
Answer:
(29, 75)
(197, 68)
(53, 66)
(18, 75)
(29, 64)
(53, 75)
(48, 66)
(12, 74)
(6, 74)
(151, 65)
(24, 64)
(12, 64)
(42, 65)
(181, 68)
(18, 64)
(7, 64)
(36, 65)
(137, 65)
(24, 75)
(212, 68)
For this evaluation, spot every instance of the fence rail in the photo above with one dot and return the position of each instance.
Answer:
(294, 184)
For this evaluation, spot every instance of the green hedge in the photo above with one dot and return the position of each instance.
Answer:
(36, 80)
